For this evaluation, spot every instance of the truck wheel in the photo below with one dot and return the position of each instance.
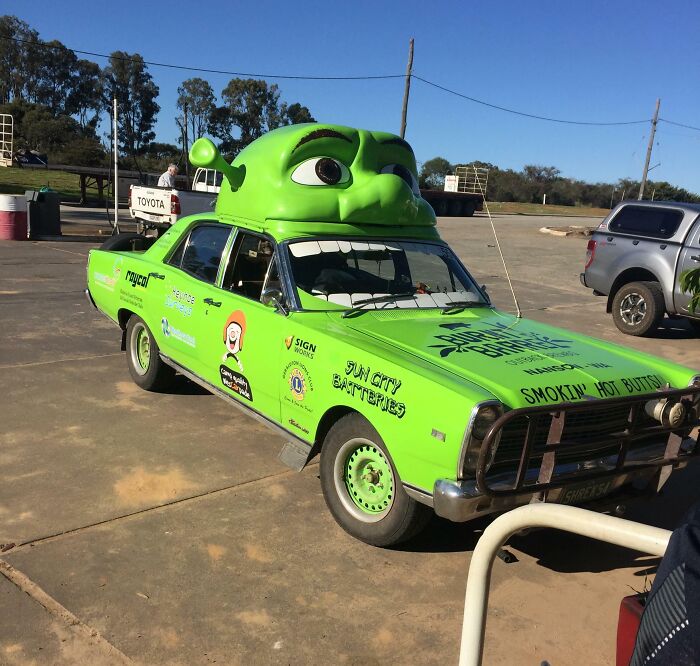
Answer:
(441, 207)
(695, 325)
(362, 488)
(638, 308)
(127, 241)
(145, 366)
(469, 209)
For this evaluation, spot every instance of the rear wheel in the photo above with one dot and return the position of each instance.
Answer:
(127, 241)
(362, 489)
(638, 308)
(143, 359)
(455, 208)
(695, 325)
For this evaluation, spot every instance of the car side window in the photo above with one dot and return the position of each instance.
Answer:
(200, 253)
(655, 222)
(249, 265)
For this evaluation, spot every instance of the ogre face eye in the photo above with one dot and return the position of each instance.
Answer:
(402, 172)
(321, 171)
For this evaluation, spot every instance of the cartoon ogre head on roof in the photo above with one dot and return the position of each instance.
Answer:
(320, 173)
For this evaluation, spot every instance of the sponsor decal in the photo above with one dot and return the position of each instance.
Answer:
(180, 301)
(301, 347)
(109, 281)
(137, 279)
(131, 298)
(494, 341)
(169, 331)
(374, 388)
(298, 426)
(234, 332)
(611, 388)
(297, 384)
(563, 367)
(236, 382)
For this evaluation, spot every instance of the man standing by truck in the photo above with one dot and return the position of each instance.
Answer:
(167, 179)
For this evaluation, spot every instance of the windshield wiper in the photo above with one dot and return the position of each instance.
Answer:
(461, 305)
(405, 296)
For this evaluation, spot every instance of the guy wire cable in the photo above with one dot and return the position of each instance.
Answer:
(518, 311)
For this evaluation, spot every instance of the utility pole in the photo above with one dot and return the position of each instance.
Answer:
(407, 88)
(187, 148)
(654, 121)
(115, 134)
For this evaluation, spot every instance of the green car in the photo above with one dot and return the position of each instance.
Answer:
(319, 298)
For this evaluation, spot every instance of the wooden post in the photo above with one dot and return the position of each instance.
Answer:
(407, 89)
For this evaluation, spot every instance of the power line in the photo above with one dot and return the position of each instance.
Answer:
(206, 70)
(671, 122)
(522, 113)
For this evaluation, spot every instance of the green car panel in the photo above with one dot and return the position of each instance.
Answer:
(415, 373)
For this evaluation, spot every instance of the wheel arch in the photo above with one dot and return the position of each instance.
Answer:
(123, 316)
(327, 421)
(627, 276)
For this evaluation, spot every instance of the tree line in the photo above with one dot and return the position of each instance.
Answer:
(534, 181)
(57, 101)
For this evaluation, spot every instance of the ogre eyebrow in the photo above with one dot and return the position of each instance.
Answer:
(398, 142)
(321, 134)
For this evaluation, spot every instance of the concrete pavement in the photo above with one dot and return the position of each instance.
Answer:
(166, 528)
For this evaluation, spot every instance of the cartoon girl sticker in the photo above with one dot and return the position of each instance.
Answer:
(234, 330)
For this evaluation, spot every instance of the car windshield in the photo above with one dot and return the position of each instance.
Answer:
(337, 274)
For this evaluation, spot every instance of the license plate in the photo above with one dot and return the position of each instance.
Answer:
(584, 492)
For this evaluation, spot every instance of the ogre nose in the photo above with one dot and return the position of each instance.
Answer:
(383, 197)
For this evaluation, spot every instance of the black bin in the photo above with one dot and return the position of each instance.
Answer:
(43, 213)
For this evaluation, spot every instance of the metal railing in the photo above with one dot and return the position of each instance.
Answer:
(625, 533)
(471, 179)
(6, 134)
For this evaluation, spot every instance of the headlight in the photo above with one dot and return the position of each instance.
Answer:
(483, 416)
(668, 413)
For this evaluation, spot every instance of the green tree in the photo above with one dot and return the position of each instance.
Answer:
(57, 76)
(250, 108)
(85, 98)
(18, 59)
(432, 174)
(127, 79)
(197, 98)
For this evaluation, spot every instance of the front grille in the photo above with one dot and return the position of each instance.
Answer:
(537, 448)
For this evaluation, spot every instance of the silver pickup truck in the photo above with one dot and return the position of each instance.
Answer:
(635, 258)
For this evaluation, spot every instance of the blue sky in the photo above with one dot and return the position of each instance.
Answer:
(593, 61)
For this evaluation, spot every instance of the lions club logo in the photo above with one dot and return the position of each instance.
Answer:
(297, 384)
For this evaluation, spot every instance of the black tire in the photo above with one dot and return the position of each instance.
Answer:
(694, 324)
(469, 209)
(401, 518)
(638, 308)
(149, 373)
(127, 241)
(441, 207)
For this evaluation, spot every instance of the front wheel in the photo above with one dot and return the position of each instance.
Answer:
(362, 488)
(638, 308)
(142, 356)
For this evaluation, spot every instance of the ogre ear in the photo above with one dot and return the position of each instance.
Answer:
(205, 154)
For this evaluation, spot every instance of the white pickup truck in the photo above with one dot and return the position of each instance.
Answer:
(156, 209)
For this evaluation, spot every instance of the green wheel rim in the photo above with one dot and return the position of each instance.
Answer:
(369, 480)
(140, 348)
(143, 349)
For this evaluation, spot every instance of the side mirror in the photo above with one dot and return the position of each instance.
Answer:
(486, 293)
(273, 298)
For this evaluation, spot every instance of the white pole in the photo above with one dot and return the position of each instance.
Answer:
(625, 533)
(544, 199)
(116, 170)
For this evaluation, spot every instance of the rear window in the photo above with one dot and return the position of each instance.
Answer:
(654, 222)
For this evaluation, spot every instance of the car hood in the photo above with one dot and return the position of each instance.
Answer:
(519, 361)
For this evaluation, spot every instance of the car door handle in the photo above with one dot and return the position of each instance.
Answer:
(695, 257)
(157, 276)
(212, 302)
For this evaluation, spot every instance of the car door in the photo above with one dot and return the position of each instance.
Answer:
(245, 337)
(190, 291)
(689, 258)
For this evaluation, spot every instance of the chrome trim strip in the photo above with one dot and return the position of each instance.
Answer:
(249, 411)
(88, 295)
(418, 494)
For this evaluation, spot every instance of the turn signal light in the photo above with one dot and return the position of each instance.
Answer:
(174, 204)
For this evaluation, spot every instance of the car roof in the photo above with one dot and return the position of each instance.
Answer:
(689, 207)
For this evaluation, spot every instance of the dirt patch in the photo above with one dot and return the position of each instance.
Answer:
(141, 487)
(259, 618)
(215, 551)
(257, 554)
(573, 230)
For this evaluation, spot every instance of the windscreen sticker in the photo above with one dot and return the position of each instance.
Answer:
(374, 388)
(494, 341)
(611, 388)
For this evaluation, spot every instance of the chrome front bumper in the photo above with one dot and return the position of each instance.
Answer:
(460, 501)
